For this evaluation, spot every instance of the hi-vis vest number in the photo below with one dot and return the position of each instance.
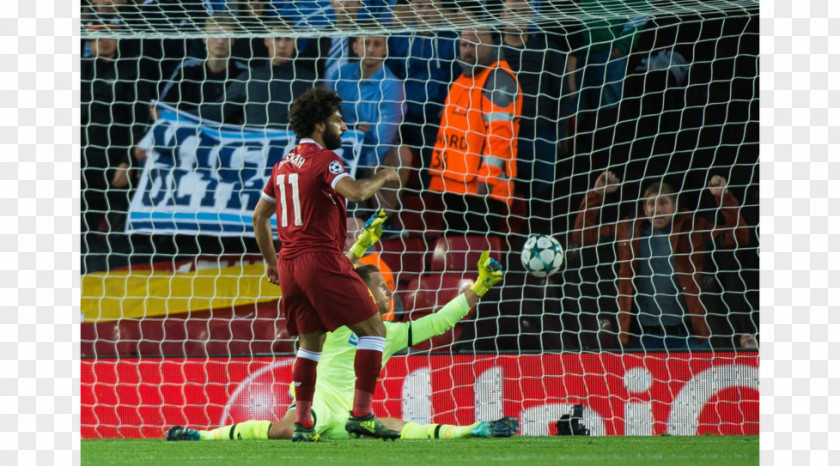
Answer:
(477, 140)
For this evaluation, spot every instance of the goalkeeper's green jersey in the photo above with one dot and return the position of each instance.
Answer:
(336, 376)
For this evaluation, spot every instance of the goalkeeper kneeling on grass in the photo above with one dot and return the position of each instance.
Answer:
(334, 388)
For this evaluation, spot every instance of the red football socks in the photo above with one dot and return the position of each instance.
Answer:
(304, 373)
(368, 365)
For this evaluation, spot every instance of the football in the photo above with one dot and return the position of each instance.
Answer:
(542, 255)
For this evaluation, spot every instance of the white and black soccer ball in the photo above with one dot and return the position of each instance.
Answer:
(542, 255)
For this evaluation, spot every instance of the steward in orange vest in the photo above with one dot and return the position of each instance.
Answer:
(475, 152)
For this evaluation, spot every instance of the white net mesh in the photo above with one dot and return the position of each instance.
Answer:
(184, 111)
(168, 19)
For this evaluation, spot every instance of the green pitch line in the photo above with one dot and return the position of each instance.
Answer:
(532, 451)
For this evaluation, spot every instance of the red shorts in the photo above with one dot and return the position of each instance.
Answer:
(322, 292)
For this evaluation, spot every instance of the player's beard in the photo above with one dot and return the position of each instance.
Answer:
(332, 139)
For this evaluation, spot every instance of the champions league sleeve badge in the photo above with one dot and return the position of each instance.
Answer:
(336, 167)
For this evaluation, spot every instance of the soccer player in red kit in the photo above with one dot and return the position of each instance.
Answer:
(307, 191)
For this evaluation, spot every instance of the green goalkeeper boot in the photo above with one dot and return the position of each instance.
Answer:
(369, 426)
(178, 433)
(504, 427)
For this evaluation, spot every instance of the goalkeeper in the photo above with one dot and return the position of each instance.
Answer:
(334, 387)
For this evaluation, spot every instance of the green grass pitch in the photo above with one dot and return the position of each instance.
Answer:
(530, 451)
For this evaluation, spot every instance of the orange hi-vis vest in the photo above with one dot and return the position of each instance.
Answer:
(476, 141)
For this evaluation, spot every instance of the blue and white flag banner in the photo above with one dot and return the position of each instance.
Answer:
(204, 178)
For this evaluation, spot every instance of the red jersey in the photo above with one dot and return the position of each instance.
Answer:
(311, 215)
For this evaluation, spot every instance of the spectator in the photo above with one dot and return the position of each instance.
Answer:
(373, 102)
(110, 116)
(660, 255)
(173, 15)
(263, 96)
(426, 60)
(192, 84)
(346, 14)
(474, 160)
(567, 37)
(162, 56)
(197, 81)
(302, 16)
(119, 13)
(252, 15)
(313, 17)
(316, 15)
(602, 61)
(539, 68)
(372, 98)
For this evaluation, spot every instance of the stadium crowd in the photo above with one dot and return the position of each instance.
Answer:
(583, 127)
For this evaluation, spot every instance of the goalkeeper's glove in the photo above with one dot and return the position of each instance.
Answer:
(371, 234)
(489, 273)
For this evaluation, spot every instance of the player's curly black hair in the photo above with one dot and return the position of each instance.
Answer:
(314, 106)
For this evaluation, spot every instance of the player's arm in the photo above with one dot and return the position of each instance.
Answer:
(734, 230)
(368, 237)
(587, 227)
(500, 112)
(262, 230)
(362, 190)
(489, 273)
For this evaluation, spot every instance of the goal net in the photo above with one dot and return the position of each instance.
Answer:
(626, 130)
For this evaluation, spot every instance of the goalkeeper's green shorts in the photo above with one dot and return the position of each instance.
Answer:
(331, 417)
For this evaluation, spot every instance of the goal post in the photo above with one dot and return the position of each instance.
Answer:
(184, 112)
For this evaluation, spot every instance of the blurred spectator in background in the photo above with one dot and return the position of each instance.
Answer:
(660, 257)
(308, 17)
(372, 98)
(602, 63)
(253, 17)
(347, 17)
(426, 60)
(474, 159)
(346, 14)
(197, 81)
(539, 68)
(160, 57)
(262, 97)
(111, 116)
(174, 15)
(303, 16)
(118, 12)
(373, 102)
(313, 18)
